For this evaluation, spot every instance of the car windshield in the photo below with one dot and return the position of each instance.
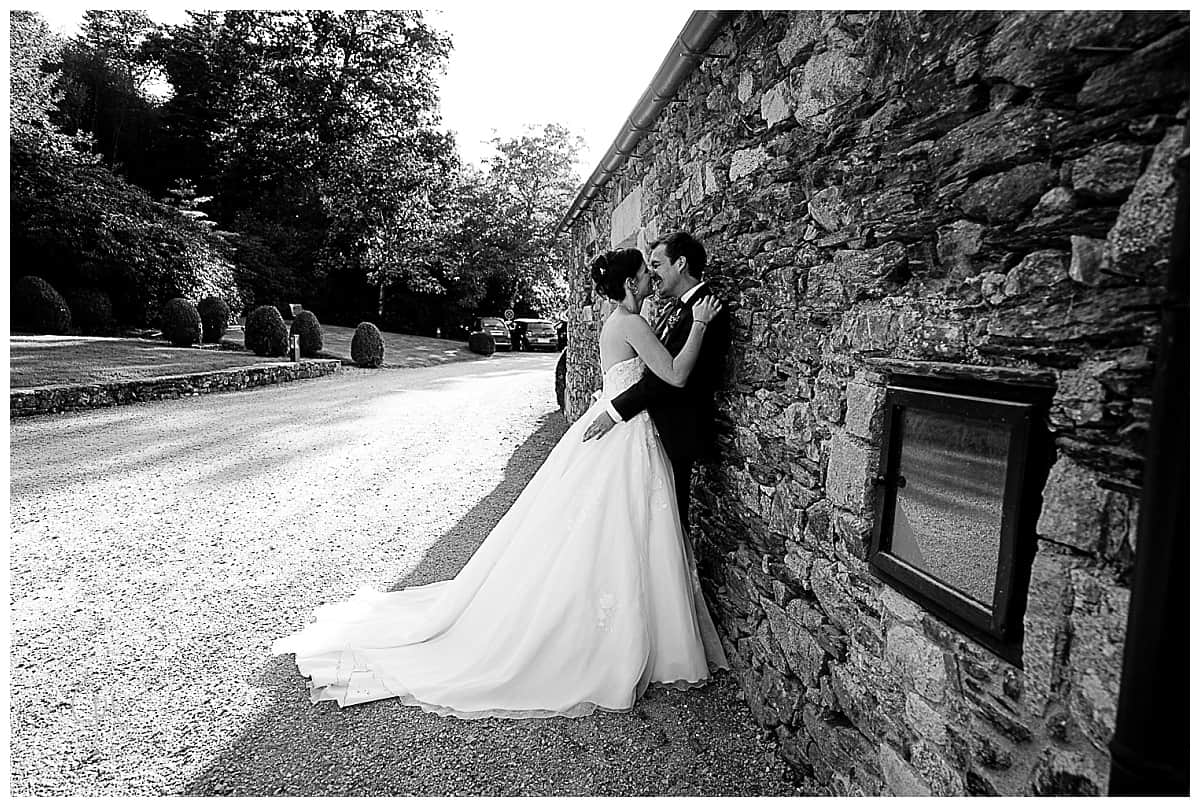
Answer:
(492, 322)
(541, 327)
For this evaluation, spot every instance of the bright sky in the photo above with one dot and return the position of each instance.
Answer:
(516, 64)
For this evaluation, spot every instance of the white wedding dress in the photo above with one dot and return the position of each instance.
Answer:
(583, 594)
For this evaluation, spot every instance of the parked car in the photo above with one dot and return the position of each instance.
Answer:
(497, 327)
(534, 334)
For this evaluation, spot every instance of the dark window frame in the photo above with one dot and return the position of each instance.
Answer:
(1022, 408)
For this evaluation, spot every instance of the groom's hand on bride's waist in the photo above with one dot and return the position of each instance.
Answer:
(599, 427)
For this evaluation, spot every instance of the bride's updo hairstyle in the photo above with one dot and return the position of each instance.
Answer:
(612, 269)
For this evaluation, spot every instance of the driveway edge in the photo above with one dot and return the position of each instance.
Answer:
(73, 397)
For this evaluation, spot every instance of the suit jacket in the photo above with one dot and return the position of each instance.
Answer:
(683, 415)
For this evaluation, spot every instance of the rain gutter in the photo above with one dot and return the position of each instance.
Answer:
(686, 53)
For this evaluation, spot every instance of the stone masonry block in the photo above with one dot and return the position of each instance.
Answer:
(864, 410)
(803, 33)
(830, 78)
(926, 721)
(831, 209)
(778, 102)
(831, 592)
(1087, 259)
(1064, 772)
(803, 655)
(1108, 171)
(1006, 196)
(745, 86)
(1141, 236)
(1076, 510)
(898, 776)
(1037, 270)
(901, 608)
(934, 765)
(920, 663)
(1099, 616)
(1047, 630)
(1080, 398)
(877, 328)
(746, 162)
(847, 479)
(1054, 201)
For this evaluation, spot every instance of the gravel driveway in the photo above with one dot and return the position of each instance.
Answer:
(157, 549)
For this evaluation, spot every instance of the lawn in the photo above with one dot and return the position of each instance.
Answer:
(39, 361)
(43, 360)
(400, 350)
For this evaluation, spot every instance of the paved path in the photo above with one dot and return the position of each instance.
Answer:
(157, 549)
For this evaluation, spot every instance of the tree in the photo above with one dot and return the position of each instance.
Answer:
(107, 71)
(34, 92)
(535, 179)
(390, 203)
(312, 130)
(79, 224)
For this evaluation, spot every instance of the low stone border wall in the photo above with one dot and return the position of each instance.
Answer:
(68, 397)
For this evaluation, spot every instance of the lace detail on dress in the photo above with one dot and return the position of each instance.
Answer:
(604, 613)
(621, 376)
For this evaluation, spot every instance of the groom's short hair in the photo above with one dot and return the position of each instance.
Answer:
(685, 244)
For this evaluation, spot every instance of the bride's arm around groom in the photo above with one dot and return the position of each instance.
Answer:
(680, 413)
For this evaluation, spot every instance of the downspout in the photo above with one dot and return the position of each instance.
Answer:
(1150, 745)
(686, 53)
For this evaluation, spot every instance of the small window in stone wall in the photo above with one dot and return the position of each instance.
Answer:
(961, 476)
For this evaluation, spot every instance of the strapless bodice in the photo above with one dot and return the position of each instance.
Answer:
(621, 376)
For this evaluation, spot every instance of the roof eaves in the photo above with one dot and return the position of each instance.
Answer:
(686, 53)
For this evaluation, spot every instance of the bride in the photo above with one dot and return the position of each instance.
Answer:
(583, 594)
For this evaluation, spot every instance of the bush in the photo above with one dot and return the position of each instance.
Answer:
(306, 326)
(366, 348)
(90, 228)
(38, 307)
(180, 322)
(560, 380)
(214, 318)
(266, 334)
(91, 311)
(482, 343)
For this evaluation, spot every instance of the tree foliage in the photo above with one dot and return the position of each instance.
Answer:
(82, 225)
(35, 93)
(534, 178)
(267, 157)
(106, 78)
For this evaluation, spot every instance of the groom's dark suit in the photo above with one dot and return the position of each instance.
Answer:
(683, 415)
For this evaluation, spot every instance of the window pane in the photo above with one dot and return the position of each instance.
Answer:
(948, 514)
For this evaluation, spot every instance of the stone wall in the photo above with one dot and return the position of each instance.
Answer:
(70, 397)
(958, 190)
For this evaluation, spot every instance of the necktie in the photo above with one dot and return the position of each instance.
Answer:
(667, 317)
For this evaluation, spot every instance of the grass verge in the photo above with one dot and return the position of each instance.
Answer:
(45, 360)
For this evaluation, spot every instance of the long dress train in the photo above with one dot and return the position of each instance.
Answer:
(583, 594)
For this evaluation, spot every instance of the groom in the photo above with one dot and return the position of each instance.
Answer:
(683, 416)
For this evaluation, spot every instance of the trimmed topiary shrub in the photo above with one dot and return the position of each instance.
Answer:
(180, 322)
(306, 326)
(214, 318)
(266, 334)
(366, 348)
(482, 343)
(91, 311)
(37, 307)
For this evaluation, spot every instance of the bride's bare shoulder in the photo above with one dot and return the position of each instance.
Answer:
(619, 322)
(633, 323)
